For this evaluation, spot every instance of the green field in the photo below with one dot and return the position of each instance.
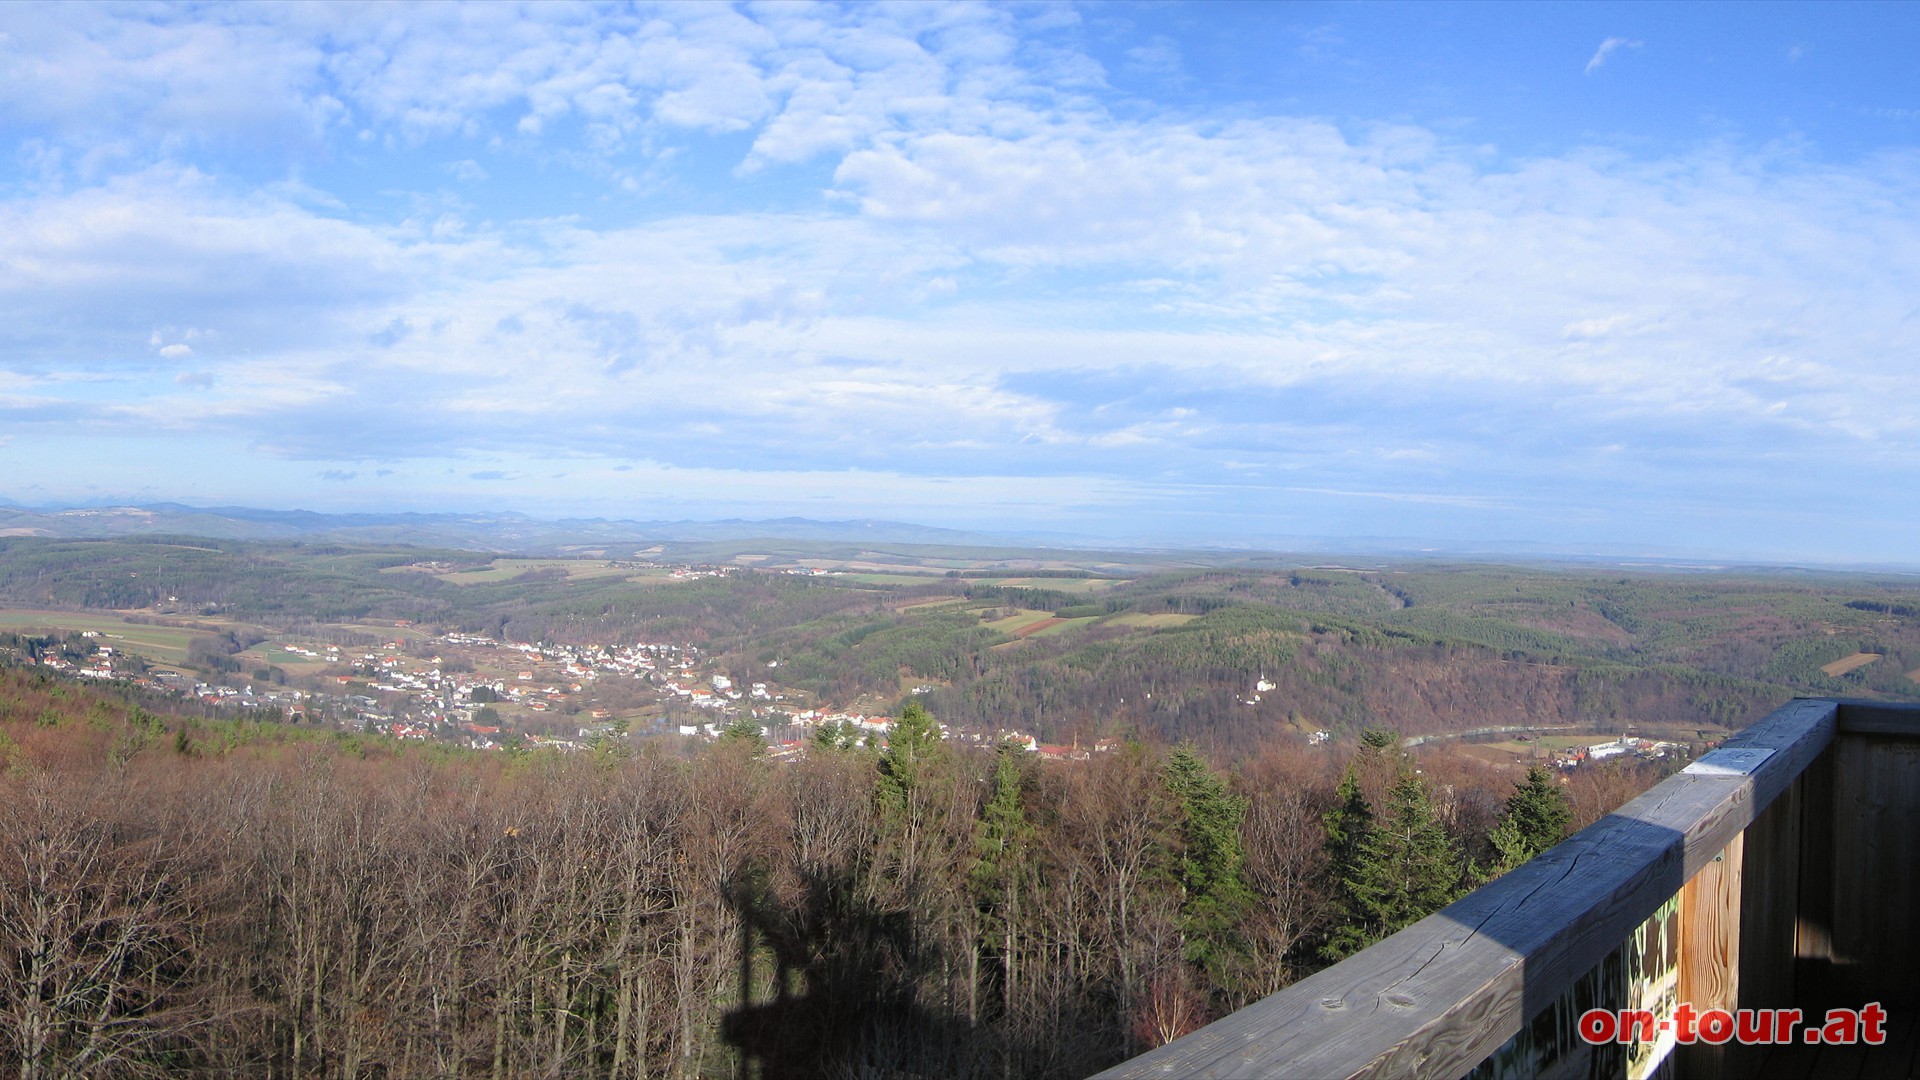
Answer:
(930, 605)
(508, 569)
(1062, 626)
(1150, 622)
(1060, 584)
(294, 662)
(1024, 617)
(166, 644)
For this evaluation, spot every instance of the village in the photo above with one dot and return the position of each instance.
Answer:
(486, 694)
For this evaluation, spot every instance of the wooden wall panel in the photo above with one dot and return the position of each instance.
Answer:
(1710, 954)
(1876, 869)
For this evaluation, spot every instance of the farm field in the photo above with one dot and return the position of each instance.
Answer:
(1149, 621)
(294, 663)
(1020, 620)
(1054, 627)
(508, 569)
(166, 644)
(1065, 585)
(931, 605)
(1849, 663)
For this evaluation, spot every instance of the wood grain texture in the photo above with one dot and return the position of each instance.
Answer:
(1436, 998)
(1879, 718)
(1710, 954)
(1813, 923)
(1876, 868)
(1770, 902)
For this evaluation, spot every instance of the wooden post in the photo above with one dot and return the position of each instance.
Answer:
(1710, 954)
(1770, 902)
(1813, 923)
(1875, 848)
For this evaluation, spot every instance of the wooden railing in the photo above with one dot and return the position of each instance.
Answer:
(1777, 870)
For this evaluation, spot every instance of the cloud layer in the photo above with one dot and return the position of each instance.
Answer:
(922, 258)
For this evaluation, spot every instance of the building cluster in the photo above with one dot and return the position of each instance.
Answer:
(1623, 747)
(493, 693)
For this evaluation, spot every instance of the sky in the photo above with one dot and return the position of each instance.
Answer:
(1581, 278)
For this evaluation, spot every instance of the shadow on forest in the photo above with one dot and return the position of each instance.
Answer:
(844, 999)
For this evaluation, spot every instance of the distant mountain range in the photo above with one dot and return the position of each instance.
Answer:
(505, 532)
(480, 531)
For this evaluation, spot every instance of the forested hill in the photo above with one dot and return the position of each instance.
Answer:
(1077, 646)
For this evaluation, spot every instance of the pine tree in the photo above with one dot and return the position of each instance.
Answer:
(997, 873)
(1535, 819)
(912, 742)
(745, 729)
(1378, 740)
(1003, 828)
(837, 735)
(908, 793)
(1408, 867)
(1349, 826)
(1211, 862)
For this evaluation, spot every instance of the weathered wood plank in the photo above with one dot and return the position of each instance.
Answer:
(1879, 718)
(1796, 1062)
(1710, 954)
(1813, 923)
(1442, 994)
(1769, 913)
(1876, 868)
(1894, 1059)
(1770, 902)
(1857, 841)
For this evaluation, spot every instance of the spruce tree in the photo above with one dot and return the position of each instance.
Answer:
(1378, 740)
(1000, 857)
(745, 729)
(1211, 862)
(1409, 867)
(1003, 828)
(908, 793)
(1349, 825)
(837, 735)
(1536, 818)
(912, 742)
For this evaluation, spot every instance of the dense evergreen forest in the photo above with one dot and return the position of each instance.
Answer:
(185, 896)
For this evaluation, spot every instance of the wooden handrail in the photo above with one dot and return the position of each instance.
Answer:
(1437, 998)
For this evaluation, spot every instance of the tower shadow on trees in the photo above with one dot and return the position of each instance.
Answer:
(844, 1000)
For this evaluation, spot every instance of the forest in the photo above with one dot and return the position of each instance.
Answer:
(187, 888)
(191, 896)
(1164, 644)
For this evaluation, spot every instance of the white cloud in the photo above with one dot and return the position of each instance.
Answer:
(991, 242)
(1607, 48)
(810, 79)
(1590, 329)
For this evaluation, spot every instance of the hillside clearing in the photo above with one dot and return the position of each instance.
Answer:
(1849, 663)
(167, 644)
(1150, 621)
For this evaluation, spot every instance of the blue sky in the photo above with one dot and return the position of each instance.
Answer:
(1588, 277)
